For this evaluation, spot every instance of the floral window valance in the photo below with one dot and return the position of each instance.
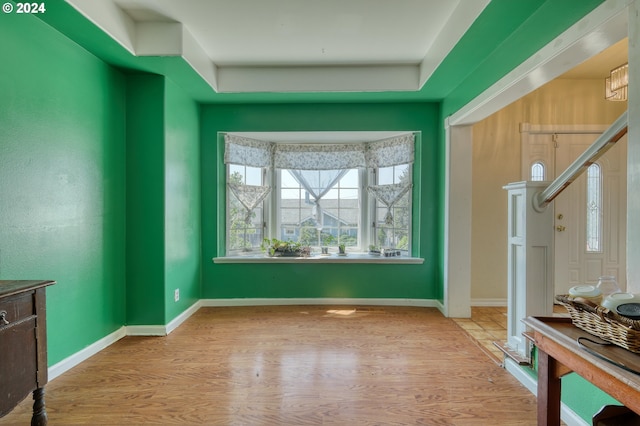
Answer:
(247, 152)
(390, 152)
(319, 156)
(257, 153)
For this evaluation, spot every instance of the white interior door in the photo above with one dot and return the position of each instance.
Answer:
(585, 249)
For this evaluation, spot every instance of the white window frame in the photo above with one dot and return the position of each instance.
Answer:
(265, 206)
(544, 171)
(367, 227)
(363, 219)
(254, 151)
(373, 219)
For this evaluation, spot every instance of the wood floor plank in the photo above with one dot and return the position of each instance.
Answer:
(292, 365)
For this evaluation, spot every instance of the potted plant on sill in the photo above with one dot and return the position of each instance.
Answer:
(278, 248)
(327, 239)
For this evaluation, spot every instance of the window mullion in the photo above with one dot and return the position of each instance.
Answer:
(273, 219)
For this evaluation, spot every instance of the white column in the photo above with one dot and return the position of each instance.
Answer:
(529, 261)
(633, 152)
(457, 241)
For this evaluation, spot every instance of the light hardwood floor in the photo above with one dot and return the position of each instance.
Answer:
(292, 365)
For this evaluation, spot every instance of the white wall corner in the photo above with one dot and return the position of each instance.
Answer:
(198, 59)
(458, 193)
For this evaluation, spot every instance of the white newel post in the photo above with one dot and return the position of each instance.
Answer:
(530, 260)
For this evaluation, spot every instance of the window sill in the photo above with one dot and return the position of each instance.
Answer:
(332, 258)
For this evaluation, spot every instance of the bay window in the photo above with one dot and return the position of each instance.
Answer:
(321, 195)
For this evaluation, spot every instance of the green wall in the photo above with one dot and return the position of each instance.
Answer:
(182, 200)
(325, 280)
(99, 187)
(145, 199)
(163, 200)
(62, 179)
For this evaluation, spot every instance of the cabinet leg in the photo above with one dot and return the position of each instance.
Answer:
(39, 410)
(549, 385)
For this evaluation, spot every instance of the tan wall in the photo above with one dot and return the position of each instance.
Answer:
(496, 162)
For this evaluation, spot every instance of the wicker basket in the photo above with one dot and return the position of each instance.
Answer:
(602, 322)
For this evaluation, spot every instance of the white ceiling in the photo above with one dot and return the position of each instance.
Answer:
(600, 65)
(292, 45)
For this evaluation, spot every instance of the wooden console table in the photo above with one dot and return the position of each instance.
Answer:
(23, 346)
(559, 353)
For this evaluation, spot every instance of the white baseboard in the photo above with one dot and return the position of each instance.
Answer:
(163, 330)
(132, 330)
(86, 353)
(489, 302)
(424, 303)
(177, 321)
(566, 414)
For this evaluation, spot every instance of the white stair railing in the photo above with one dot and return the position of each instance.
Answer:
(601, 145)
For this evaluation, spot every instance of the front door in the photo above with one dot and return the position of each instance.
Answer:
(590, 214)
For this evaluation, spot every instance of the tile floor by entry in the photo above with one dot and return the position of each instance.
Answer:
(488, 325)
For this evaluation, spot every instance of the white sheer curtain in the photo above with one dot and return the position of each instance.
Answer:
(250, 196)
(387, 153)
(389, 195)
(317, 183)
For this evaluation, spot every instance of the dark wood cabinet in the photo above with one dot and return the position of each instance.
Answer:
(23, 346)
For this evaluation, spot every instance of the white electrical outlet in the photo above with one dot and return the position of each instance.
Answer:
(176, 294)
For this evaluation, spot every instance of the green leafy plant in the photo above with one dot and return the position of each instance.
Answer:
(275, 247)
(327, 239)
